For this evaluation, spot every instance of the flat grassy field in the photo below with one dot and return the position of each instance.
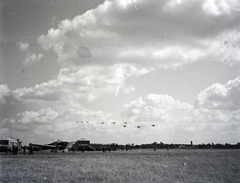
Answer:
(175, 165)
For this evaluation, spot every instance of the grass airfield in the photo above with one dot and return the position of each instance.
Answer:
(141, 165)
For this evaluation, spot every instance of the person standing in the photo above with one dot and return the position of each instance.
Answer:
(13, 149)
(7, 149)
(24, 149)
(30, 149)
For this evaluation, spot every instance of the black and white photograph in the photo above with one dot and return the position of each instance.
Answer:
(120, 91)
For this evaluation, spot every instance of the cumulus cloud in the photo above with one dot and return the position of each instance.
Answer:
(156, 108)
(32, 58)
(222, 97)
(64, 122)
(156, 32)
(107, 48)
(215, 115)
(218, 8)
(217, 110)
(170, 117)
(4, 93)
(64, 94)
(23, 46)
(228, 48)
(86, 83)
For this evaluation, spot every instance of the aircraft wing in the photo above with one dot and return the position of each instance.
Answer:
(53, 146)
(43, 147)
(60, 145)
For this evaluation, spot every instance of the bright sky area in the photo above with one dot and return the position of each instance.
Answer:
(160, 70)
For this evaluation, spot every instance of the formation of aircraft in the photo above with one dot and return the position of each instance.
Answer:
(125, 124)
(62, 145)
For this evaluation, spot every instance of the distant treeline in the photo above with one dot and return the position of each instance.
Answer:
(161, 145)
(186, 146)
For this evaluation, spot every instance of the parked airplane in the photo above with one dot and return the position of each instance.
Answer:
(54, 146)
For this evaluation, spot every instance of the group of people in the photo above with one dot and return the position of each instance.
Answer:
(105, 149)
(15, 149)
(75, 149)
(30, 148)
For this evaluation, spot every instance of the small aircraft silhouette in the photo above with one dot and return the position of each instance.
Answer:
(54, 146)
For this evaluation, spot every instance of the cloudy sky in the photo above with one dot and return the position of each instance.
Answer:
(124, 71)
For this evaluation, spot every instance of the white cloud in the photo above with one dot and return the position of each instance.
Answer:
(104, 50)
(58, 122)
(86, 83)
(23, 46)
(219, 7)
(32, 58)
(156, 108)
(215, 116)
(218, 107)
(65, 94)
(228, 48)
(4, 92)
(146, 32)
(221, 97)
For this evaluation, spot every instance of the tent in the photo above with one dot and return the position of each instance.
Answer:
(9, 141)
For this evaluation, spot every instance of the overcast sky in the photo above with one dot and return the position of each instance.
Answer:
(169, 69)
